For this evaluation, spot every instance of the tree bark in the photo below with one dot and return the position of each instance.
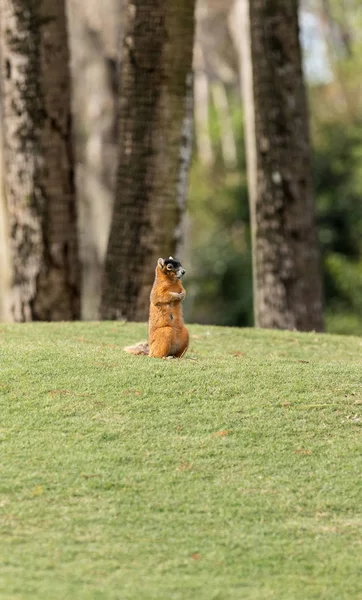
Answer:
(39, 182)
(288, 290)
(155, 124)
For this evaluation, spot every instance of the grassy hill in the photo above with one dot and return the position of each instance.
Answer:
(232, 474)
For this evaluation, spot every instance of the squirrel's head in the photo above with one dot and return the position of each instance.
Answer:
(171, 267)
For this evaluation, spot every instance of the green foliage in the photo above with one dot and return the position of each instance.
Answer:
(234, 473)
(220, 265)
(344, 314)
(337, 165)
(348, 278)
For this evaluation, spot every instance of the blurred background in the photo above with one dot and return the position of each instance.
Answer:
(219, 254)
(217, 249)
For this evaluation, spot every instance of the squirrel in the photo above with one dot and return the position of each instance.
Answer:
(167, 334)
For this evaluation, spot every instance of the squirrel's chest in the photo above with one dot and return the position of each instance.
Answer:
(170, 311)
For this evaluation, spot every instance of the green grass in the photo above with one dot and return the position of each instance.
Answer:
(232, 474)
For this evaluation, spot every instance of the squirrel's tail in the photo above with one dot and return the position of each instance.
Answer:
(138, 349)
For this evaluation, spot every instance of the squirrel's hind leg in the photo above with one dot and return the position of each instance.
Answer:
(183, 343)
(160, 343)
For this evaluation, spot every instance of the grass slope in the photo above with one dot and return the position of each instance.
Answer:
(234, 473)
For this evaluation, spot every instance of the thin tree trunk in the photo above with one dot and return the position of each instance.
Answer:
(5, 266)
(330, 30)
(201, 99)
(228, 145)
(336, 28)
(239, 26)
(155, 124)
(39, 182)
(287, 270)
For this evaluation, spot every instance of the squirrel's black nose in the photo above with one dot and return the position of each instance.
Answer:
(183, 271)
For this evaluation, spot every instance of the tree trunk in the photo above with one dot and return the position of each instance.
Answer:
(227, 140)
(155, 124)
(39, 182)
(287, 265)
(201, 110)
(5, 268)
(239, 26)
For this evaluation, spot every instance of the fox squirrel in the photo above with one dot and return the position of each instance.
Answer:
(167, 334)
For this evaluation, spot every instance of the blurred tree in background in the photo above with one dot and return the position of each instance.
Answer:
(218, 259)
(217, 249)
(220, 288)
(95, 30)
(155, 126)
(286, 268)
(39, 162)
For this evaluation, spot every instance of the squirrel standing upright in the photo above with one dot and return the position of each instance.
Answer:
(167, 334)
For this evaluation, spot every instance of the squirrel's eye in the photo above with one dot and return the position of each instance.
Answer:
(169, 266)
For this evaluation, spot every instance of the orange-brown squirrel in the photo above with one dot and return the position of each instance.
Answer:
(167, 334)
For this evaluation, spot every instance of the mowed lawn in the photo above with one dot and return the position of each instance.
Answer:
(235, 473)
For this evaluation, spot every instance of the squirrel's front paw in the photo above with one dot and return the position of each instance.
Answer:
(178, 295)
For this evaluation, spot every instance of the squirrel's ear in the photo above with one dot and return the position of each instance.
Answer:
(160, 262)
(170, 258)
